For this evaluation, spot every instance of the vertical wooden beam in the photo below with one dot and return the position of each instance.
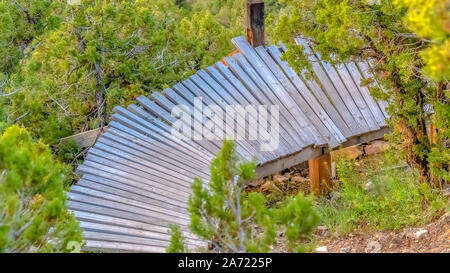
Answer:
(320, 173)
(255, 22)
(432, 133)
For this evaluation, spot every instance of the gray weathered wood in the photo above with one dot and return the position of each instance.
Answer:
(136, 178)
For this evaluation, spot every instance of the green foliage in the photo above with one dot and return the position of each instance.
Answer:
(236, 221)
(68, 151)
(177, 241)
(33, 215)
(396, 200)
(23, 20)
(407, 42)
(107, 53)
(429, 19)
(299, 218)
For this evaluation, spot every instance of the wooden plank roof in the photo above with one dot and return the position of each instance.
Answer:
(136, 178)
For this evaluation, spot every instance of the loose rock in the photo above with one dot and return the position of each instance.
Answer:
(346, 249)
(280, 179)
(351, 152)
(376, 147)
(321, 249)
(322, 231)
(369, 186)
(420, 233)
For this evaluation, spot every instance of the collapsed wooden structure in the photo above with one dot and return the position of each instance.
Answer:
(136, 178)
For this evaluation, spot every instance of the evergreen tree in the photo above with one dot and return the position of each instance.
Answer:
(33, 214)
(107, 53)
(22, 21)
(408, 42)
(233, 220)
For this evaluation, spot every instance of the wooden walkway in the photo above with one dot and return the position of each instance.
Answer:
(136, 178)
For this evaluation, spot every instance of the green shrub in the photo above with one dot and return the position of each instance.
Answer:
(177, 240)
(33, 215)
(233, 220)
(394, 200)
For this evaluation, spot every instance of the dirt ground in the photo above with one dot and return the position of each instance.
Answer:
(434, 237)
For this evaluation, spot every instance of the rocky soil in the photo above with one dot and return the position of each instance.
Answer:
(434, 237)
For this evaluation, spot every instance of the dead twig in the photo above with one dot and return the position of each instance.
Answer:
(21, 117)
(12, 93)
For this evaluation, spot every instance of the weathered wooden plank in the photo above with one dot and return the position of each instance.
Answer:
(129, 232)
(151, 212)
(190, 86)
(373, 106)
(348, 128)
(232, 97)
(85, 139)
(173, 184)
(132, 188)
(161, 212)
(257, 86)
(152, 145)
(370, 136)
(334, 122)
(132, 161)
(136, 187)
(291, 138)
(327, 85)
(365, 69)
(287, 141)
(124, 238)
(155, 158)
(360, 125)
(119, 214)
(163, 129)
(151, 107)
(299, 121)
(223, 99)
(134, 122)
(96, 245)
(357, 97)
(181, 207)
(210, 85)
(160, 232)
(206, 86)
(211, 146)
(166, 171)
(133, 239)
(330, 133)
(112, 171)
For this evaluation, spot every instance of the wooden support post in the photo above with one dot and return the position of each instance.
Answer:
(255, 22)
(320, 173)
(432, 133)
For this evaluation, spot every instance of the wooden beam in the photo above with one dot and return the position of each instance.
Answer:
(271, 167)
(320, 173)
(431, 130)
(277, 165)
(255, 22)
(85, 139)
(367, 137)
